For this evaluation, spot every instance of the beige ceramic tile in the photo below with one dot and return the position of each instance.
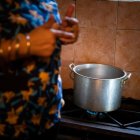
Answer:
(67, 54)
(131, 88)
(99, 14)
(129, 15)
(66, 77)
(128, 50)
(95, 46)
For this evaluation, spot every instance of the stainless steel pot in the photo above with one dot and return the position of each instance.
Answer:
(98, 87)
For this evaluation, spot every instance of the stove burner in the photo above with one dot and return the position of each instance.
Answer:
(119, 117)
(124, 122)
(120, 122)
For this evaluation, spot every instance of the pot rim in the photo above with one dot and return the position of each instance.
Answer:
(122, 77)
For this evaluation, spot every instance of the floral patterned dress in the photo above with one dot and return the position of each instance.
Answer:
(30, 88)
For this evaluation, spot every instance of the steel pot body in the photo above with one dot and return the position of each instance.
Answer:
(98, 87)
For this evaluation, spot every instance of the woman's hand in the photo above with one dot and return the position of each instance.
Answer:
(43, 38)
(70, 25)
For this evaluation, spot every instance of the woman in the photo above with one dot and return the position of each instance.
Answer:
(31, 35)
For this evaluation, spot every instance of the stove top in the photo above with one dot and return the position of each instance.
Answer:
(124, 122)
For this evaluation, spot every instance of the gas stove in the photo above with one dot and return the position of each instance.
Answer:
(123, 123)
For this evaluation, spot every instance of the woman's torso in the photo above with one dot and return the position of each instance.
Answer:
(29, 86)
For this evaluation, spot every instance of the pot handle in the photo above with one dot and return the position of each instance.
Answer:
(71, 66)
(128, 75)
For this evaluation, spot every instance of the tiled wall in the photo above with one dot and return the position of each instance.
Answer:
(109, 34)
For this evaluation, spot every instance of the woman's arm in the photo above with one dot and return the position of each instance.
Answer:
(42, 42)
(9, 49)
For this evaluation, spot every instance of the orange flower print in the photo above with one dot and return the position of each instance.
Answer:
(36, 119)
(19, 109)
(41, 101)
(30, 83)
(2, 129)
(18, 19)
(49, 124)
(12, 117)
(53, 109)
(30, 67)
(8, 95)
(19, 129)
(26, 94)
(44, 77)
(55, 88)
